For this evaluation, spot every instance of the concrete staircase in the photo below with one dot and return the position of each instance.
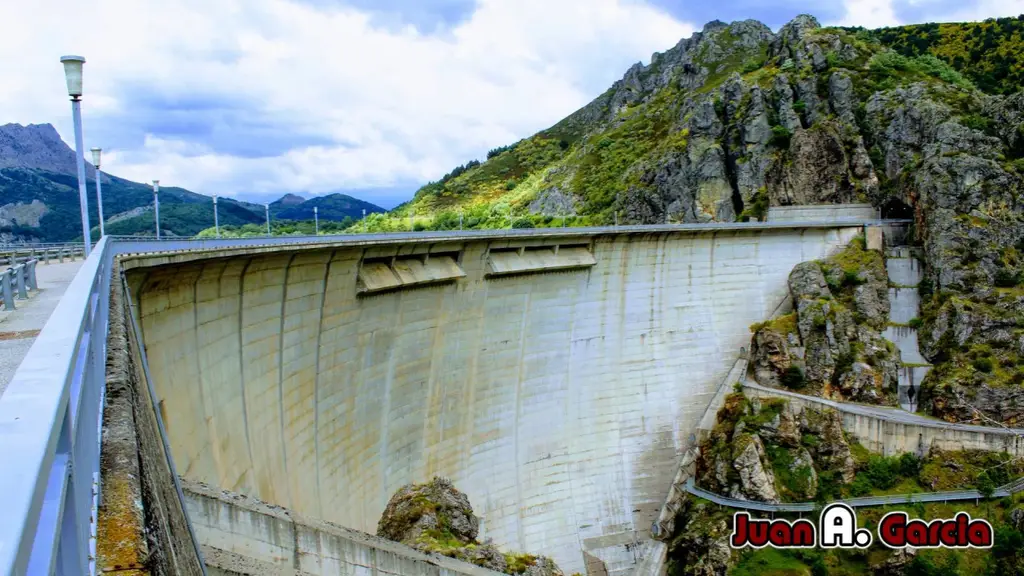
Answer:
(905, 274)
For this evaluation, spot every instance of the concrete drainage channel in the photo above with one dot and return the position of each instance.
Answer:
(905, 275)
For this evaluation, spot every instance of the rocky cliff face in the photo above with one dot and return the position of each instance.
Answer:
(36, 146)
(831, 344)
(767, 451)
(737, 118)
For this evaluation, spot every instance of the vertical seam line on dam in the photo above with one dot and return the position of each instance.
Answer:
(241, 364)
(199, 365)
(280, 372)
(316, 378)
(519, 409)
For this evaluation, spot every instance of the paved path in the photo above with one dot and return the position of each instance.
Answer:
(948, 496)
(18, 329)
(891, 414)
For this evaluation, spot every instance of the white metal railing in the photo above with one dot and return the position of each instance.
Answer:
(12, 254)
(50, 413)
(15, 282)
(50, 432)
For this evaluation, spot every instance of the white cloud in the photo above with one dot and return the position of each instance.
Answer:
(869, 14)
(401, 105)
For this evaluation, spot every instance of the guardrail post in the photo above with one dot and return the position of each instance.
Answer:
(5, 280)
(61, 255)
(19, 275)
(30, 274)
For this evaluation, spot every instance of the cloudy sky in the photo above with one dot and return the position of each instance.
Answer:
(255, 98)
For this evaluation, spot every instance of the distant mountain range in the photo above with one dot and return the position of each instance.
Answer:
(39, 197)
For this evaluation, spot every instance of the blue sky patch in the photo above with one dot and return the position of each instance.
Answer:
(773, 13)
(426, 16)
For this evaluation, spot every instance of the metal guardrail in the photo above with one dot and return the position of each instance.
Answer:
(948, 496)
(50, 413)
(50, 432)
(14, 254)
(15, 283)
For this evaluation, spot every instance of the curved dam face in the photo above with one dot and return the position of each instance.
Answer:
(555, 380)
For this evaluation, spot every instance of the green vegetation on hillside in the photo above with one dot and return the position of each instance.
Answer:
(989, 53)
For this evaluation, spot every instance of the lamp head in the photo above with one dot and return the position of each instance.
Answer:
(73, 74)
(96, 156)
(156, 186)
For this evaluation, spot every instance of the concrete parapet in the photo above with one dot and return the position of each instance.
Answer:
(243, 536)
(141, 523)
(823, 213)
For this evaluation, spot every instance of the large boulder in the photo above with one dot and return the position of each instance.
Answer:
(434, 506)
(436, 517)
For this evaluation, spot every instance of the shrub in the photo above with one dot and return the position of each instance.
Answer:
(915, 323)
(781, 137)
(985, 485)
(881, 472)
(1006, 278)
(523, 223)
(909, 465)
(982, 365)
(800, 106)
(793, 378)
(976, 122)
(510, 184)
(852, 278)
(497, 151)
(563, 144)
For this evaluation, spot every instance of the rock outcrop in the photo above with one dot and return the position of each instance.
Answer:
(831, 345)
(436, 517)
(700, 545)
(765, 450)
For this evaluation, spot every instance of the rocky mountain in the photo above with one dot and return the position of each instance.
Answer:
(924, 122)
(335, 207)
(39, 197)
(36, 146)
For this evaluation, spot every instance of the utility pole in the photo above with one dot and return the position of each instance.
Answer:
(266, 208)
(73, 76)
(316, 221)
(156, 206)
(99, 195)
(216, 218)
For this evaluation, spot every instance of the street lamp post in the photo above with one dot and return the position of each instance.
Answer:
(316, 221)
(266, 208)
(216, 218)
(99, 194)
(156, 206)
(73, 75)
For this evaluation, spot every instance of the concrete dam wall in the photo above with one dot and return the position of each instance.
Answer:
(555, 380)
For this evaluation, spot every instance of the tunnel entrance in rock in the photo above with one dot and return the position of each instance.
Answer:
(896, 209)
